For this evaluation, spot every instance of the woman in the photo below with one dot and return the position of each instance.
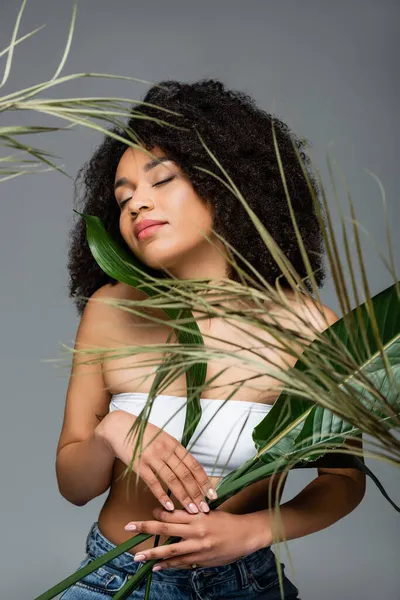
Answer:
(225, 553)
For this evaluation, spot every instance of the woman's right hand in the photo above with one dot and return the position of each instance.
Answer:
(162, 457)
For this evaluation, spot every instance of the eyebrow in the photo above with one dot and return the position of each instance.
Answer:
(147, 167)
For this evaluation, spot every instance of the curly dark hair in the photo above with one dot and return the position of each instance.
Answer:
(240, 135)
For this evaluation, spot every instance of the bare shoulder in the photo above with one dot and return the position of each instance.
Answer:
(117, 290)
(88, 397)
(101, 303)
(306, 315)
(314, 314)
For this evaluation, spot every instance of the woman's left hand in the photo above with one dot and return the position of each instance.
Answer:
(208, 539)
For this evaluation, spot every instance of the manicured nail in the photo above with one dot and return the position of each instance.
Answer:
(212, 494)
(193, 508)
(204, 506)
(169, 505)
(156, 568)
(139, 557)
(130, 527)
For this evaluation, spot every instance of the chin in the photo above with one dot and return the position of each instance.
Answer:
(158, 257)
(151, 261)
(155, 264)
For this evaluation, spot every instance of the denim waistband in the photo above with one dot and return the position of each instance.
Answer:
(97, 545)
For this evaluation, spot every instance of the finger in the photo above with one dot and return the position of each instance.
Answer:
(159, 528)
(182, 562)
(163, 552)
(155, 486)
(197, 470)
(192, 487)
(177, 516)
(168, 475)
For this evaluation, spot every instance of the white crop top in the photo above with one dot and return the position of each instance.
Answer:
(223, 445)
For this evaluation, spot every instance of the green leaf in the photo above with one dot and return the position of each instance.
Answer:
(285, 422)
(294, 425)
(114, 260)
(322, 424)
(95, 564)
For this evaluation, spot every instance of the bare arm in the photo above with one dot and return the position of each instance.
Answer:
(331, 496)
(321, 503)
(84, 469)
(84, 461)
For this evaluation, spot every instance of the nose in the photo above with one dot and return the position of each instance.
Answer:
(138, 202)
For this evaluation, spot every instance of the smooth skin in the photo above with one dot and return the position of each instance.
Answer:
(92, 455)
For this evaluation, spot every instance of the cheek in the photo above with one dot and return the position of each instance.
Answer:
(192, 213)
(125, 227)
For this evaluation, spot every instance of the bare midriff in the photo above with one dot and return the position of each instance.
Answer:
(135, 502)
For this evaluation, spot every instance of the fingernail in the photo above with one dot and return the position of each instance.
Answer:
(193, 508)
(130, 527)
(212, 494)
(139, 557)
(169, 505)
(204, 506)
(156, 568)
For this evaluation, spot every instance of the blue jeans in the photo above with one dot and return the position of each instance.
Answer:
(253, 577)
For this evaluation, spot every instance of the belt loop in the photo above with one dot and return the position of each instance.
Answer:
(89, 536)
(244, 579)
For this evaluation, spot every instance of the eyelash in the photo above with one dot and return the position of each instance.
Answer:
(122, 204)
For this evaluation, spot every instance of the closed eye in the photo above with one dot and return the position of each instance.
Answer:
(164, 181)
(122, 204)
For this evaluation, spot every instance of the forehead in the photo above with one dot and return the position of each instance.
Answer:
(134, 159)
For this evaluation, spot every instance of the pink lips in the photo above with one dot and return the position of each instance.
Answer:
(149, 231)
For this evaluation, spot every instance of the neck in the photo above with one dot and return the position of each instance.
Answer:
(205, 261)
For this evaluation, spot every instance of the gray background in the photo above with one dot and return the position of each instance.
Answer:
(331, 71)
